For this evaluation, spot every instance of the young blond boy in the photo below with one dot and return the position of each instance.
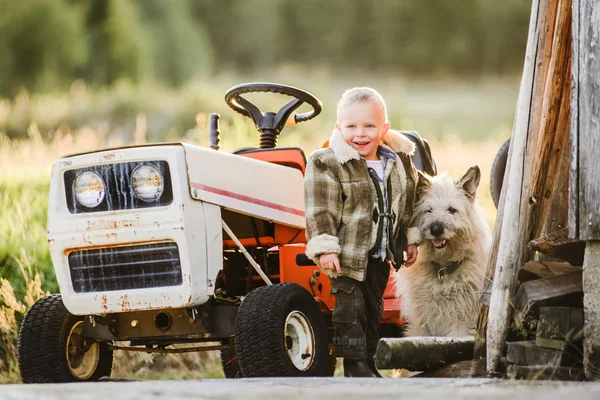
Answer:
(359, 198)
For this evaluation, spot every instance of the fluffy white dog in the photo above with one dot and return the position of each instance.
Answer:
(439, 292)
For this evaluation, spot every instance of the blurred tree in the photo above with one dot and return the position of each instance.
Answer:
(47, 43)
(180, 47)
(41, 44)
(118, 47)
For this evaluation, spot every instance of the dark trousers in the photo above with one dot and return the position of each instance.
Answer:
(357, 311)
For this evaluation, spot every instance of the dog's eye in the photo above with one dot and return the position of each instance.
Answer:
(452, 210)
(429, 210)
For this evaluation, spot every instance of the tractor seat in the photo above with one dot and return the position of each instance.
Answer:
(287, 156)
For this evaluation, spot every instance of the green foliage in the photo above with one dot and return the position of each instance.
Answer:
(46, 44)
(24, 245)
(180, 46)
(116, 41)
(41, 44)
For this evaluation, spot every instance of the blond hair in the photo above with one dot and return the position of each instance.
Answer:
(362, 95)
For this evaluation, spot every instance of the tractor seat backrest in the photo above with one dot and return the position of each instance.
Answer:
(287, 156)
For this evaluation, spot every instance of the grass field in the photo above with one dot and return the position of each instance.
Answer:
(465, 122)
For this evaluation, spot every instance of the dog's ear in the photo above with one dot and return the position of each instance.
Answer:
(423, 184)
(470, 181)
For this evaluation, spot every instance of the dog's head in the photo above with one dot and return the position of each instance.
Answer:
(444, 208)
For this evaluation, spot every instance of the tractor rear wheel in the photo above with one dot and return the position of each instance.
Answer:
(280, 331)
(498, 170)
(52, 348)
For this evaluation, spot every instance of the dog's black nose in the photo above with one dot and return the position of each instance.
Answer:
(436, 229)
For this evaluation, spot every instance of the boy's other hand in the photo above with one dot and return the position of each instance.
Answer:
(330, 262)
(411, 255)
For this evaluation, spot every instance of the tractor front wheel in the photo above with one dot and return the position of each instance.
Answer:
(280, 331)
(52, 348)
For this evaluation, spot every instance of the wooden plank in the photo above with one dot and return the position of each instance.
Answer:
(533, 168)
(574, 153)
(422, 353)
(564, 290)
(589, 120)
(558, 245)
(545, 373)
(527, 353)
(560, 328)
(547, 269)
(591, 309)
(508, 202)
(459, 369)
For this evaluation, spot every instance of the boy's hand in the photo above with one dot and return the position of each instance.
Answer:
(330, 262)
(411, 255)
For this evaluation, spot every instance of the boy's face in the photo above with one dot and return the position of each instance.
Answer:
(363, 127)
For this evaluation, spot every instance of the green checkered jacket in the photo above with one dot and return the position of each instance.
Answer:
(340, 199)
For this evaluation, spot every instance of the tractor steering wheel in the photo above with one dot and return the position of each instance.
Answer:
(270, 124)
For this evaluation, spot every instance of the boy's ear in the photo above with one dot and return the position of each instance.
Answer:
(337, 126)
(385, 130)
(470, 181)
(423, 184)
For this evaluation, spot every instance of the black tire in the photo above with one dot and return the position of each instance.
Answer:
(273, 326)
(230, 364)
(49, 344)
(498, 170)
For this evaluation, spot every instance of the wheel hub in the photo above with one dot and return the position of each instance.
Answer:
(83, 355)
(299, 340)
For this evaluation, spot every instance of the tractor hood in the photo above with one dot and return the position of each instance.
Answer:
(252, 187)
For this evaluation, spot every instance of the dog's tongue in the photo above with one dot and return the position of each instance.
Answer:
(438, 243)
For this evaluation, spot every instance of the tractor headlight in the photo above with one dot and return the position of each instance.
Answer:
(89, 189)
(148, 183)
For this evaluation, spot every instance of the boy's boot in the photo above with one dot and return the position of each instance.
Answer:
(357, 369)
(372, 367)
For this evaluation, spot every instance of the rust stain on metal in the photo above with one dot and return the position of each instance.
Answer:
(103, 302)
(110, 155)
(111, 224)
(112, 235)
(125, 304)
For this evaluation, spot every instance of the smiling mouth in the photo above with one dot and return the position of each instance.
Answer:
(361, 144)
(439, 243)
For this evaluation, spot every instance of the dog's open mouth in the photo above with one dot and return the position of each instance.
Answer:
(439, 243)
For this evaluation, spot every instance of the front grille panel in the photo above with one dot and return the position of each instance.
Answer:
(127, 267)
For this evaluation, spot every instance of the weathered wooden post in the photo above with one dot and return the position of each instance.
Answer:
(584, 205)
(535, 193)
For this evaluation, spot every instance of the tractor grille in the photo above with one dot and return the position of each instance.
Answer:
(127, 267)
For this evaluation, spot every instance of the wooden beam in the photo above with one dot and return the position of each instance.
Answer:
(536, 142)
(589, 120)
(558, 245)
(544, 373)
(422, 353)
(527, 353)
(564, 290)
(591, 310)
(574, 120)
(459, 369)
(560, 328)
(547, 269)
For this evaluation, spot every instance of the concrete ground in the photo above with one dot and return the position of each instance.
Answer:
(309, 388)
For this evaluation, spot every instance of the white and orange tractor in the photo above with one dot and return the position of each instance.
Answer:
(174, 244)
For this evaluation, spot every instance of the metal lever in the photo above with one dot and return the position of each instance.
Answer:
(214, 131)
